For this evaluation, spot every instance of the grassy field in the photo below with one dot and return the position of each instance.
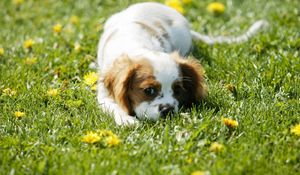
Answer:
(48, 46)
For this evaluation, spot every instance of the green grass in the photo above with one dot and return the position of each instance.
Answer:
(47, 140)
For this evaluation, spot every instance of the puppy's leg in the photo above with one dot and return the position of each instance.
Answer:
(121, 118)
(108, 104)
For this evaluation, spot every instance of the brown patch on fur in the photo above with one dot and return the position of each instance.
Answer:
(117, 80)
(179, 92)
(141, 81)
(126, 81)
(192, 87)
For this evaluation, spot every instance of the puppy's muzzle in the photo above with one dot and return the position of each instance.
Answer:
(166, 110)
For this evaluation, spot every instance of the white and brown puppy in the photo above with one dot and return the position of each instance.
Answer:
(143, 72)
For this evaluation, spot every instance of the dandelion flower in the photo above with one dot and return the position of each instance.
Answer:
(216, 8)
(296, 129)
(30, 61)
(28, 44)
(9, 92)
(90, 78)
(52, 92)
(216, 147)
(230, 122)
(74, 20)
(19, 114)
(175, 4)
(18, 2)
(57, 28)
(187, 1)
(91, 138)
(199, 173)
(112, 140)
(1, 51)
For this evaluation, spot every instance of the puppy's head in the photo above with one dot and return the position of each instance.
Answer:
(155, 86)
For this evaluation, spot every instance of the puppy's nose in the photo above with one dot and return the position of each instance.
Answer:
(165, 110)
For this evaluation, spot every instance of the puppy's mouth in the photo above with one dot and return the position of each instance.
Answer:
(166, 110)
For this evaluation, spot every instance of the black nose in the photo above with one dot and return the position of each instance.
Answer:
(166, 110)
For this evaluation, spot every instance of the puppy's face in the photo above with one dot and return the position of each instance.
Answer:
(155, 87)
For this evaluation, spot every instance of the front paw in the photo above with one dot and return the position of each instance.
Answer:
(126, 120)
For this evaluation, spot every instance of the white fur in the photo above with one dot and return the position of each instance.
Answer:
(123, 35)
(126, 33)
(165, 71)
(126, 36)
(255, 28)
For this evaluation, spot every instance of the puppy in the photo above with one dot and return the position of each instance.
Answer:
(143, 70)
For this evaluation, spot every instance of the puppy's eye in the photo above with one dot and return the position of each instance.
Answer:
(150, 91)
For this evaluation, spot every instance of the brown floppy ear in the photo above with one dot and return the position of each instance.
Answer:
(193, 79)
(118, 81)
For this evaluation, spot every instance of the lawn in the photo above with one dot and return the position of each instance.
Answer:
(48, 102)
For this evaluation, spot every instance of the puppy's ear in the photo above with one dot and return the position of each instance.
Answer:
(192, 75)
(118, 81)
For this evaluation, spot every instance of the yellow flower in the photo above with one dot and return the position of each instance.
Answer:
(112, 140)
(105, 137)
(187, 1)
(9, 92)
(1, 51)
(216, 147)
(28, 44)
(57, 28)
(296, 129)
(230, 122)
(30, 61)
(74, 20)
(52, 92)
(19, 114)
(90, 78)
(198, 173)
(91, 138)
(175, 4)
(18, 2)
(216, 8)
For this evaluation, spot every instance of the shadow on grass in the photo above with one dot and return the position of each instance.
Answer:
(202, 52)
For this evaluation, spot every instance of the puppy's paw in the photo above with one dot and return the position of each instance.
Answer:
(126, 120)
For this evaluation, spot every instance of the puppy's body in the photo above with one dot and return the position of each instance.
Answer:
(142, 70)
(143, 29)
